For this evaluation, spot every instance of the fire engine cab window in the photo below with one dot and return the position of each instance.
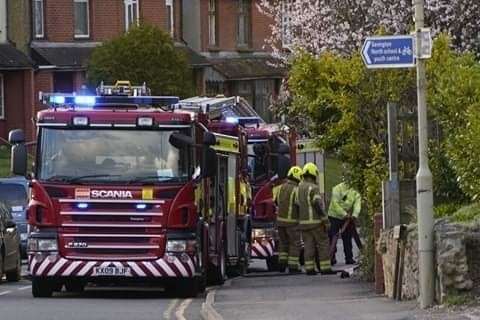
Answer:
(111, 155)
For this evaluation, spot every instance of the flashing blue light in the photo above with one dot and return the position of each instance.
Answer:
(141, 206)
(231, 120)
(85, 100)
(57, 99)
(82, 205)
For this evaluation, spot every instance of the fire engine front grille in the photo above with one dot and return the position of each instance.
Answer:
(111, 232)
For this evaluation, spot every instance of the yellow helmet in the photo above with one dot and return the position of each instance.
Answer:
(310, 169)
(295, 173)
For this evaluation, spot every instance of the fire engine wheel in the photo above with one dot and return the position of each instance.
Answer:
(218, 273)
(272, 263)
(74, 286)
(16, 274)
(41, 288)
(187, 288)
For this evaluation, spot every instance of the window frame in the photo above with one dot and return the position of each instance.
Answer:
(2, 98)
(286, 23)
(244, 10)
(42, 11)
(213, 16)
(129, 4)
(169, 4)
(87, 35)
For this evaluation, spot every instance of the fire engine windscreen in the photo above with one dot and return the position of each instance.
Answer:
(127, 156)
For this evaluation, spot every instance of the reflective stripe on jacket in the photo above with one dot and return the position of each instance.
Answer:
(308, 198)
(286, 199)
(344, 200)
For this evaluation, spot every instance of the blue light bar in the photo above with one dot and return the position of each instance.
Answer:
(231, 119)
(57, 99)
(141, 206)
(82, 205)
(85, 100)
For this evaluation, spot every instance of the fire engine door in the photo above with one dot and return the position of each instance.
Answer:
(232, 230)
(220, 196)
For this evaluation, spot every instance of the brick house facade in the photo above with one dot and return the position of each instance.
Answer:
(16, 76)
(231, 35)
(53, 39)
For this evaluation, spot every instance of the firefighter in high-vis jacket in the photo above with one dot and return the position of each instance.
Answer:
(287, 221)
(344, 210)
(313, 221)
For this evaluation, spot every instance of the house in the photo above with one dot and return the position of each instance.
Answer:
(231, 35)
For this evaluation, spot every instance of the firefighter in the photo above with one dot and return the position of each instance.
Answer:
(344, 209)
(313, 221)
(287, 221)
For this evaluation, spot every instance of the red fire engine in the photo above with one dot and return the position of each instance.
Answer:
(126, 189)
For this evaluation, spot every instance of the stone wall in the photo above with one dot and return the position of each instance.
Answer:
(457, 255)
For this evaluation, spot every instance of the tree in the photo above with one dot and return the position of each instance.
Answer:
(342, 25)
(143, 54)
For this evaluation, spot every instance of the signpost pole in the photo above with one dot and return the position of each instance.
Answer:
(424, 176)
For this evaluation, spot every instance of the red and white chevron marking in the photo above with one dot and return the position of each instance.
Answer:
(56, 266)
(264, 249)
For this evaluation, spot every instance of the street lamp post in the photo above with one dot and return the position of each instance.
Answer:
(424, 175)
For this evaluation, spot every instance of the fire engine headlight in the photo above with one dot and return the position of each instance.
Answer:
(42, 244)
(181, 245)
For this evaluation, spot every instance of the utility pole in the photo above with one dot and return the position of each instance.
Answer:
(424, 175)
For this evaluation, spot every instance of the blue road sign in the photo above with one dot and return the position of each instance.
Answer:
(388, 52)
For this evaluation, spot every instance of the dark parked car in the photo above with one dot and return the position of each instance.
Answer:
(13, 192)
(10, 258)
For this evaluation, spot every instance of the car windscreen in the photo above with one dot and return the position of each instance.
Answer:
(111, 156)
(15, 198)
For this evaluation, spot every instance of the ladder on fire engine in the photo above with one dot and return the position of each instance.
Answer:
(220, 106)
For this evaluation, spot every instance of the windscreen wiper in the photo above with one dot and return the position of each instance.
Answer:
(79, 178)
(148, 178)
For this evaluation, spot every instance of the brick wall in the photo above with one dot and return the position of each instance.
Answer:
(43, 82)
(227, 26)
(107, 18)
(14, 102)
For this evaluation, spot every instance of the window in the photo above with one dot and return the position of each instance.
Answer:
(243, 23)
(38, 23)
(81, 17)
(110, 156)
(2, 100)
(212, 23)
(131, 13)
(286, 23)
(170, 17)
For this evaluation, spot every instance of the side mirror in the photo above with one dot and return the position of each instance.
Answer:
(180, 140)
(283, 165)
(18, 162)
(209, 163)
(209, 139)
(16, 136)
(10, 224)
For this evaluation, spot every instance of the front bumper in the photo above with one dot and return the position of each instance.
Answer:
(56, 266)
(263, 249)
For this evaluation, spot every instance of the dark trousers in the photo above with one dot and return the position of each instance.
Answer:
(335, 227)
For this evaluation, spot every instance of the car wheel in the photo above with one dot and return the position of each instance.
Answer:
(41, 288)
(16, 274)
(1, 266)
